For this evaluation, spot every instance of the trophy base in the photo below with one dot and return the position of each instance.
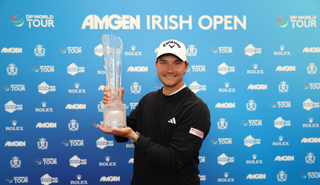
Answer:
(114, 115)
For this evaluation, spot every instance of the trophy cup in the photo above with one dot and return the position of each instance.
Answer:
(114, 112)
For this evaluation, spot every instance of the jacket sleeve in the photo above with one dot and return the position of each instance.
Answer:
(183, 145)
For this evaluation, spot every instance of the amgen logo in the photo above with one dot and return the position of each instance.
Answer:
(138, 69)
(114, 22)
(110, 179)
(76, 106)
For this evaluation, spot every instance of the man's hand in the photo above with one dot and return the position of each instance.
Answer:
(123, 132)
(107, 95)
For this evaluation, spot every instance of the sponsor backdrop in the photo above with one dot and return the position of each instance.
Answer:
(254, 63)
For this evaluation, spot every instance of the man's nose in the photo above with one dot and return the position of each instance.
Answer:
(170, 68)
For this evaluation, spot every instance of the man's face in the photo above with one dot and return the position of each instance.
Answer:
(171, 70)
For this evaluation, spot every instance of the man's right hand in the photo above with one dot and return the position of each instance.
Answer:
(107, 95)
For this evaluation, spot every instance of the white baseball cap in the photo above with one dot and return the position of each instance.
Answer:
(173, 47)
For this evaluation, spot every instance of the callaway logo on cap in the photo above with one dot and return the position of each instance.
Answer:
(172, 47)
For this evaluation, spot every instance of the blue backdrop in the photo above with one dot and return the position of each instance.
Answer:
(253, 63)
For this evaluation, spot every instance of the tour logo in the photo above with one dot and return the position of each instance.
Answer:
(158, 86)
(6, 88)
(17, 22)
(252, 122)
(40, 20)
(282, 23)
(303, 21)
(251, 50)
(98, 50)
(44, 88)
(62, 50)
(224, 159)
(133, 105)
(298, 21)
(35, 69)
(313, 86)
(73, 69)
(95, 124)
(71, 50)
(10, 106)
(15, 87)
(214, 50)
(308, 104)
(224, 68)
(196, 87)
(214, 141)
(197, 68)
(250, 141)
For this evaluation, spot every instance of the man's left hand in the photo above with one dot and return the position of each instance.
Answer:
(123, 132)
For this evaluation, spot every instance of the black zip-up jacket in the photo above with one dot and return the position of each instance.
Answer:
(172, 130)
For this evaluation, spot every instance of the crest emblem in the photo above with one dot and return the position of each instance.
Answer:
(251, 106)
(100, 106)
(310, 158)
(283, 87)
(192, 51)
(312, 69)
(135, 88)
(73, 125)
(43, 144)
(15, 162)
(39, 51)
(222, 124)
(12, 70)
(282, 176)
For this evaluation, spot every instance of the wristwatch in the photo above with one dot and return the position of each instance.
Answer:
(135, 136)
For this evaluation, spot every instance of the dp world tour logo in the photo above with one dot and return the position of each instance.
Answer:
(63, 50)
(158, 86)
(282, 24)
(214, 50)
(18, 23)
(9, 180)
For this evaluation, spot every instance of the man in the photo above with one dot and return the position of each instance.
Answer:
(168, 126)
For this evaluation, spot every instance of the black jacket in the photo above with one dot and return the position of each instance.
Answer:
(172, 130)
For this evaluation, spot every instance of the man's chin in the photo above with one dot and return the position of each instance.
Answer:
(169, 84)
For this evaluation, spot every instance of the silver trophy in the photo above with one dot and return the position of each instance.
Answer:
(114, 112)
